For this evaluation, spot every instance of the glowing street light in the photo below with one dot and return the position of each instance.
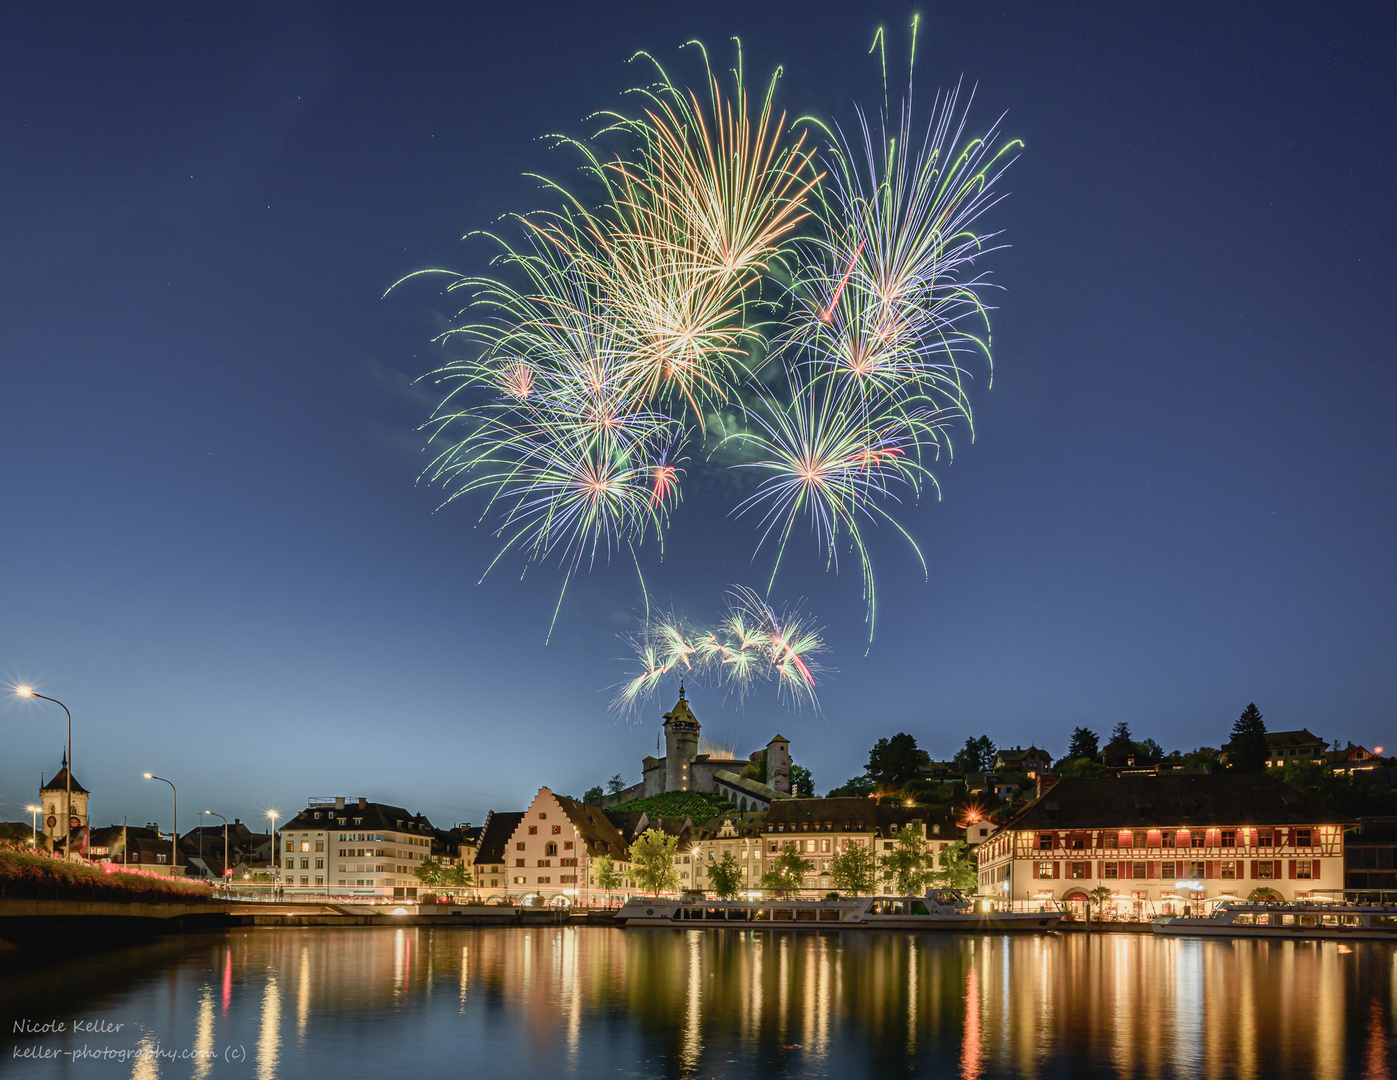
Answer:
(174, 824)
(276, 870)
(33, 823)
(27, 691)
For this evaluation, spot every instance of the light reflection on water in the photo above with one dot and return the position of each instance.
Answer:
(592, 1002)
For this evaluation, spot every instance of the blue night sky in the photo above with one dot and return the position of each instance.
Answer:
(1180, 497)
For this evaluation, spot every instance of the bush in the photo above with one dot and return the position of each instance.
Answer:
(29, 874)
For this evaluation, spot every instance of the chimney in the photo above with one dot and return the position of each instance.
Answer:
(1045, 781)
(363, 803)
(339, 802)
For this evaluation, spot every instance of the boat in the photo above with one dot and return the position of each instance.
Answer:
(1297, 919)
(939, 909)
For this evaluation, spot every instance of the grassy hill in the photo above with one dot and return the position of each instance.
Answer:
(696, 805)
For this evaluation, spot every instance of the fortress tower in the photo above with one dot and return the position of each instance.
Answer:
(681, 744)
(52, 797)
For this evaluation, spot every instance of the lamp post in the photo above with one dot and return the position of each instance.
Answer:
(25, 691)
(225, 839)
(34, 824)
(273, 815)
(174, 823)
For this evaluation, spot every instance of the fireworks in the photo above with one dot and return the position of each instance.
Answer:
(752, 644)
(716, 231)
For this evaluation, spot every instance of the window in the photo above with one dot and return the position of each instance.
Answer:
(320, 845)
(1045, 869)
(810, 845)
(568, 879)
(1137, 871)
(1079, 843)
(1228, 870)
(320, 865)
(542, 815)
(521, 881)
(1304, 869)
(824, 844)
(1138, 840)
(1265, 838)
(1166, 871)
(1045, 841)
(305, 845)
(518, 862)
(550, 849)
(1110, 840)
(305, 864)
(533, 830)
(1229, 837)
(319, 879)
(1108, 869)
(1166, 839)
(290, 845)
(519, 845)
(1302, 837)
(1081, 869)
(567, 845)
(544, 862)
(1196, 840)
(1266, 870)
(1197, 870)
(160, 858)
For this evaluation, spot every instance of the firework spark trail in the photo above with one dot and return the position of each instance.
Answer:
(752, 644)
(602, 346)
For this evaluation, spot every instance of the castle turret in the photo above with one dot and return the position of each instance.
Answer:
(778, 764)
(681, 744)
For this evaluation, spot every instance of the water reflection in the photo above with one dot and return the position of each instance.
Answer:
(688, 1003)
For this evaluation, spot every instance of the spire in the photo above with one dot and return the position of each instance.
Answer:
(681, 689)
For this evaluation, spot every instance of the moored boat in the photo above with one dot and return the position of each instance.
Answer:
(939, 909)
(1240, 918)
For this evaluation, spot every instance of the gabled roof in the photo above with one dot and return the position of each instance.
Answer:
(599, 836)
(1174, 800)
(369, 816)
(1301, 738)
(60, 782)
(629, 823)
(495, 834)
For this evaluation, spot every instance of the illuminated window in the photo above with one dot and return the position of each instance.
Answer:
(305, 845)
(1228, 871)
(1081, 870)
(1266, 870)
(520, 881)
(1045, 869)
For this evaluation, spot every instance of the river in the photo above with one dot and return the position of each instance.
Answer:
(603, 1002)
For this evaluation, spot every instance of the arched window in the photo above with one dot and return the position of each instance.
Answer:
(550, 849)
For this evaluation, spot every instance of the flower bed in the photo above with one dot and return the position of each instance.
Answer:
(28, 874)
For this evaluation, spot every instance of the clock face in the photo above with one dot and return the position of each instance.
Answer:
(53, 821)
(75, 823)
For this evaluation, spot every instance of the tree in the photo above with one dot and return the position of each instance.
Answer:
(959, 868)
(593, 794)
(1247, 752)
(1264, 894)
(892, 762)
(854, 870)
(787, 872)
(860, 787)
(1081, 767)
(615, 785)
(429, 872)
(605, 876)
(976, 756)
(1148, 750)
(458, 877)
(725, 877)
(802, 782)
(1100, 897)
(652, 861)
(1084, 744)
(1121, 731)
(905, 865)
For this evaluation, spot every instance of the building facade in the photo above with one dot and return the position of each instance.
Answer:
(347, 843)
(1161, 844)
(59, 818)
(553, 843)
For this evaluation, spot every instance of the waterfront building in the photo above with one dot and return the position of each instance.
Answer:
(140, 848)
(1370, 859)
(355, 844)
(817, 828)
(491, 872)
(1159, 843)
(551, 848)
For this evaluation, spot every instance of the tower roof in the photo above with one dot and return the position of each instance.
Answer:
(60, 781)
(681, 713)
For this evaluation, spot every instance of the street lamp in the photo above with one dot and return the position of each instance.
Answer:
(33, 823)
(25, 691)
(174, 823)
(274, 814)
(225, 839)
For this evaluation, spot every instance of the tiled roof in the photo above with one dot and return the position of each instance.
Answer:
(495, 834)
(595, 828)
(851, 815)
(370, 816)
(1173, 800)
(60, 783)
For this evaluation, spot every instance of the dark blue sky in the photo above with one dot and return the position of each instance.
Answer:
(1180, 500)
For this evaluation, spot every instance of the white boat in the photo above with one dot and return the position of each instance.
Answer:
(939, 909)
(1240, 918)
